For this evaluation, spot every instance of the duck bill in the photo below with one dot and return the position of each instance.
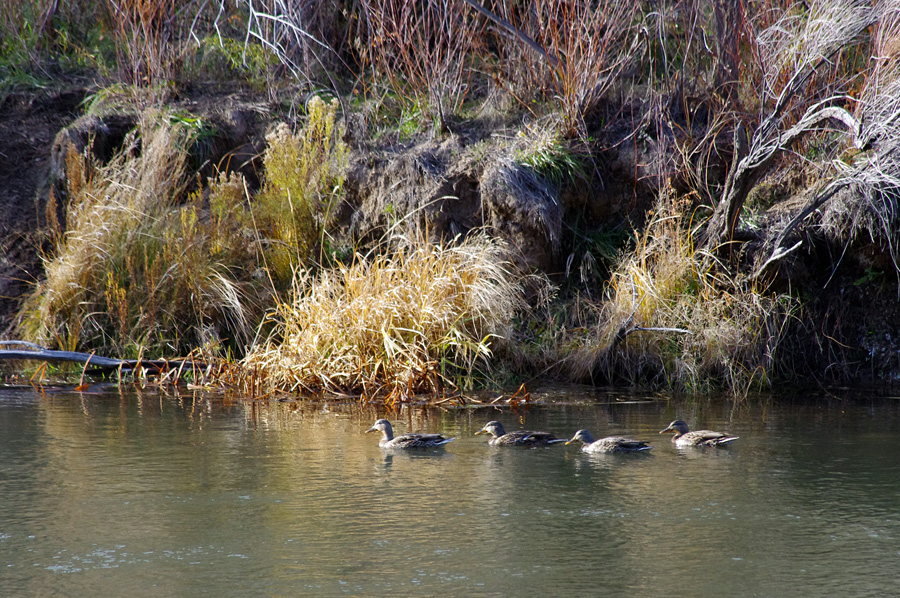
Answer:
(568, 442)
(371, 430)
(482, 431)
(666, 430)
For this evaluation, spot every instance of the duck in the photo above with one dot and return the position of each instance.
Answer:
(685, 437)
(406, 441)
(610, 444)
(500, 437)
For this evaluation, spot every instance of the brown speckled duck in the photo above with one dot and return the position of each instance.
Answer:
(685, 437)
(500, 437)
(610, 444)
(406, 441)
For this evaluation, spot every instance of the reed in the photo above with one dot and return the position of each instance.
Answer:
(415, 318)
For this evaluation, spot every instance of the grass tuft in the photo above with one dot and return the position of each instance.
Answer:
(413, 319)
(143, 266)
(673, 320)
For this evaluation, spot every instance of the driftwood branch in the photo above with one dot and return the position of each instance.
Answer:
(762, 152)
(827, 30)
(625, 330)
(34, 352)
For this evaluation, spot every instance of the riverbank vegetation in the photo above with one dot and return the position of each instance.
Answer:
(410, 317)
(468, 193)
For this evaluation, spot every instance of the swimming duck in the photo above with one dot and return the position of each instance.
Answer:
(684, 437)
(610, 444)
(500, 437)
(406, 441)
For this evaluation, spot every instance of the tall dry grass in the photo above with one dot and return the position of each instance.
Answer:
(671, 319)
(416, 318)
(423, 50)
(304, 173)
(594, 43)
(139, 269)
(145, 39)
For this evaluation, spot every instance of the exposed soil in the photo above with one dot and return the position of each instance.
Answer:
(28, 125)
(848, 328)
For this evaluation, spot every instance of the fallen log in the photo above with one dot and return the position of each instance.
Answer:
(35, 352)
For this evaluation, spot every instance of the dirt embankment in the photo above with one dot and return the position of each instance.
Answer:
(445, 185)
(848, 328)
(28, 125)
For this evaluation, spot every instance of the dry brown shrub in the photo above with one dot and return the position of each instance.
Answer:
(674, 320)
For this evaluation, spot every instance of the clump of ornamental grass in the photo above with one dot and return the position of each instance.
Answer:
(147, 266)
(673, 318)
(415, 318)
(143, 266)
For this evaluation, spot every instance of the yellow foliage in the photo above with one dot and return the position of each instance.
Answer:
(404, 322)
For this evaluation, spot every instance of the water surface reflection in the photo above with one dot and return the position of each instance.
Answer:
(153, 495)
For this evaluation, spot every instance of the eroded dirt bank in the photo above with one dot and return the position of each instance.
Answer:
(847, 328)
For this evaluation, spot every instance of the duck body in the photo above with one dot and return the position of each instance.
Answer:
(406, 441)
(610, 444)
(500, 437)
(685, 437)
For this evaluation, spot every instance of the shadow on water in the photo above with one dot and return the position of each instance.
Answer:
(150, 494)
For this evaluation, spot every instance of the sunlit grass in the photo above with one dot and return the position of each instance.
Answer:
(413, 319)
(673, 318)
(143, 266)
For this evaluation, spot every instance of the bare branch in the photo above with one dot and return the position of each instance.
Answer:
(804, 44)
(551, 59)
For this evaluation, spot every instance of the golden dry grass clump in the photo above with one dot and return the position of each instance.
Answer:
(143, 265)
(409, 320)
(673, 317)
(146, 265)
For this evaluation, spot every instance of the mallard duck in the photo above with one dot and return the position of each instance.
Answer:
(610, 444)
(500, 437)
(406, 441)
(684, 437)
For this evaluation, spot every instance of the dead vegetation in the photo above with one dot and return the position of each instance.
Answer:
(414, 317)
(142, 266)
(700, 105)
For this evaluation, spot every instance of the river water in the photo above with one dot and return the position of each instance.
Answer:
(113, 493)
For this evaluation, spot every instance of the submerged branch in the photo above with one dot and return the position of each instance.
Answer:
(38, 353)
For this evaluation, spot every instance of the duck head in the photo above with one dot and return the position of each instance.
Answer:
(581, 436)
(493, 428)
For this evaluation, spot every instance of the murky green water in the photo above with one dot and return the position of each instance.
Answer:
(112, 494)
